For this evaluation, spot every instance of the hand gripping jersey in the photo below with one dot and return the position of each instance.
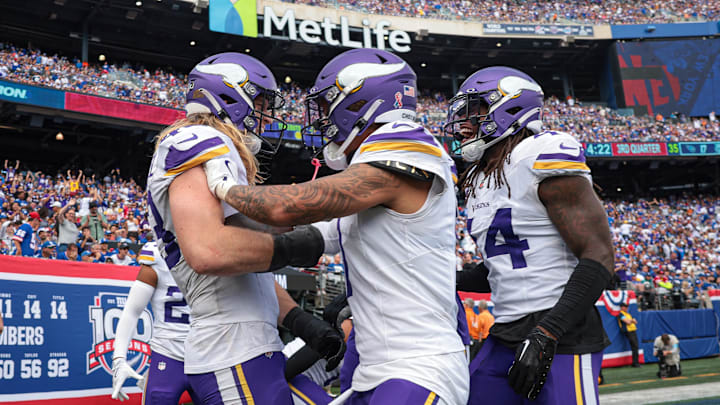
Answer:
(233, 319)
(528, 260)
(172, 315)
(400, 272)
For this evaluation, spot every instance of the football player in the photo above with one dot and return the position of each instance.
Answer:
(394, 204)
(546, 242)
(232, 352)
(166, 379)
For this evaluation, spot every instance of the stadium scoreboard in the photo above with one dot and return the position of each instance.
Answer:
(650, 149)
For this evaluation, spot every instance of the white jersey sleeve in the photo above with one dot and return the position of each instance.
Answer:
(331, 236)
(410, 144)
(559, 154)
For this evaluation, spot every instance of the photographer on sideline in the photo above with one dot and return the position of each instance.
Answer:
(667, 349)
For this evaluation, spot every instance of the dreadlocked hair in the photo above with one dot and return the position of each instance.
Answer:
(238, 138)
(493, 168)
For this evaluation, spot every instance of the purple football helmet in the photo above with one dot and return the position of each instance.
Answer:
(513, 101)
(354, 90)
(227, 85)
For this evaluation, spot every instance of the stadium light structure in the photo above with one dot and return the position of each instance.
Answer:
(288, 79)
(59, 136)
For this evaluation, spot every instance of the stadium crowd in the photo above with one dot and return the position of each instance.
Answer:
(70, 216)
(535, 12)
(662, 245)
(590, 123)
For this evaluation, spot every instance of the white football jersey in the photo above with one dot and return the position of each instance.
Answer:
(233, 318)
(172, 315)
(400, 273)
(528, 260)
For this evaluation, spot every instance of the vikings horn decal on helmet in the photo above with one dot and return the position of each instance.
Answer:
(353, 91)
(228, 85)
(513, 101)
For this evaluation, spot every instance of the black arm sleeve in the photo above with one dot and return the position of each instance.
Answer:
(581, 292)
(475, 280)
(301, 247)
(300, 361)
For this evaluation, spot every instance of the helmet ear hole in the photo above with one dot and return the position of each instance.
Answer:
(514, 110)
(227, 99)
(356, 106)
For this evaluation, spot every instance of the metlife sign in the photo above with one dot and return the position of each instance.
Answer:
(239, 17)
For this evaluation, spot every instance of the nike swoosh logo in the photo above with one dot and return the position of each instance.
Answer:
(194, 137)
(398, 125)
(526, 343)
(567, 147)
(227, 164)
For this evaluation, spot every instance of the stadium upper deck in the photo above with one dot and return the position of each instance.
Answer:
(536, 12)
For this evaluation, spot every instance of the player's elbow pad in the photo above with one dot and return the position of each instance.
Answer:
(301, 247)
(475, 280)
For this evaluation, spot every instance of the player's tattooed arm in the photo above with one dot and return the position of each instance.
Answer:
(357, 188)
(579, 217)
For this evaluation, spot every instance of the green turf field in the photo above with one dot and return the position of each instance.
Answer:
(704, 401)
(621, 379)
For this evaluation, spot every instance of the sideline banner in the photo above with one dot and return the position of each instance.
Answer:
(697, 329)
(60, 319)
(109, 107)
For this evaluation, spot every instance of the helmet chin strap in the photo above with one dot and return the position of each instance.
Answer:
(335, 156)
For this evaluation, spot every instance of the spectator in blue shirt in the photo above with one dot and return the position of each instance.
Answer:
(25, 239)
(70, 254)
(336, 266)
(47, 250)
(93, 255)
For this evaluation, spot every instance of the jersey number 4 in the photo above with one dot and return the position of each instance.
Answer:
(513, 246)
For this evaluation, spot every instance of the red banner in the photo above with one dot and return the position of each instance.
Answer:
(121, 109)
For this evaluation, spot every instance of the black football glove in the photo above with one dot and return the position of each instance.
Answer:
(320, 336)
(337, 311)
(533, 358)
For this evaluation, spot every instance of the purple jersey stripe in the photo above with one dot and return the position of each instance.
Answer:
(562, 156)
(462, 325)
(417, 134)
(347, 270)
(176, 157)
